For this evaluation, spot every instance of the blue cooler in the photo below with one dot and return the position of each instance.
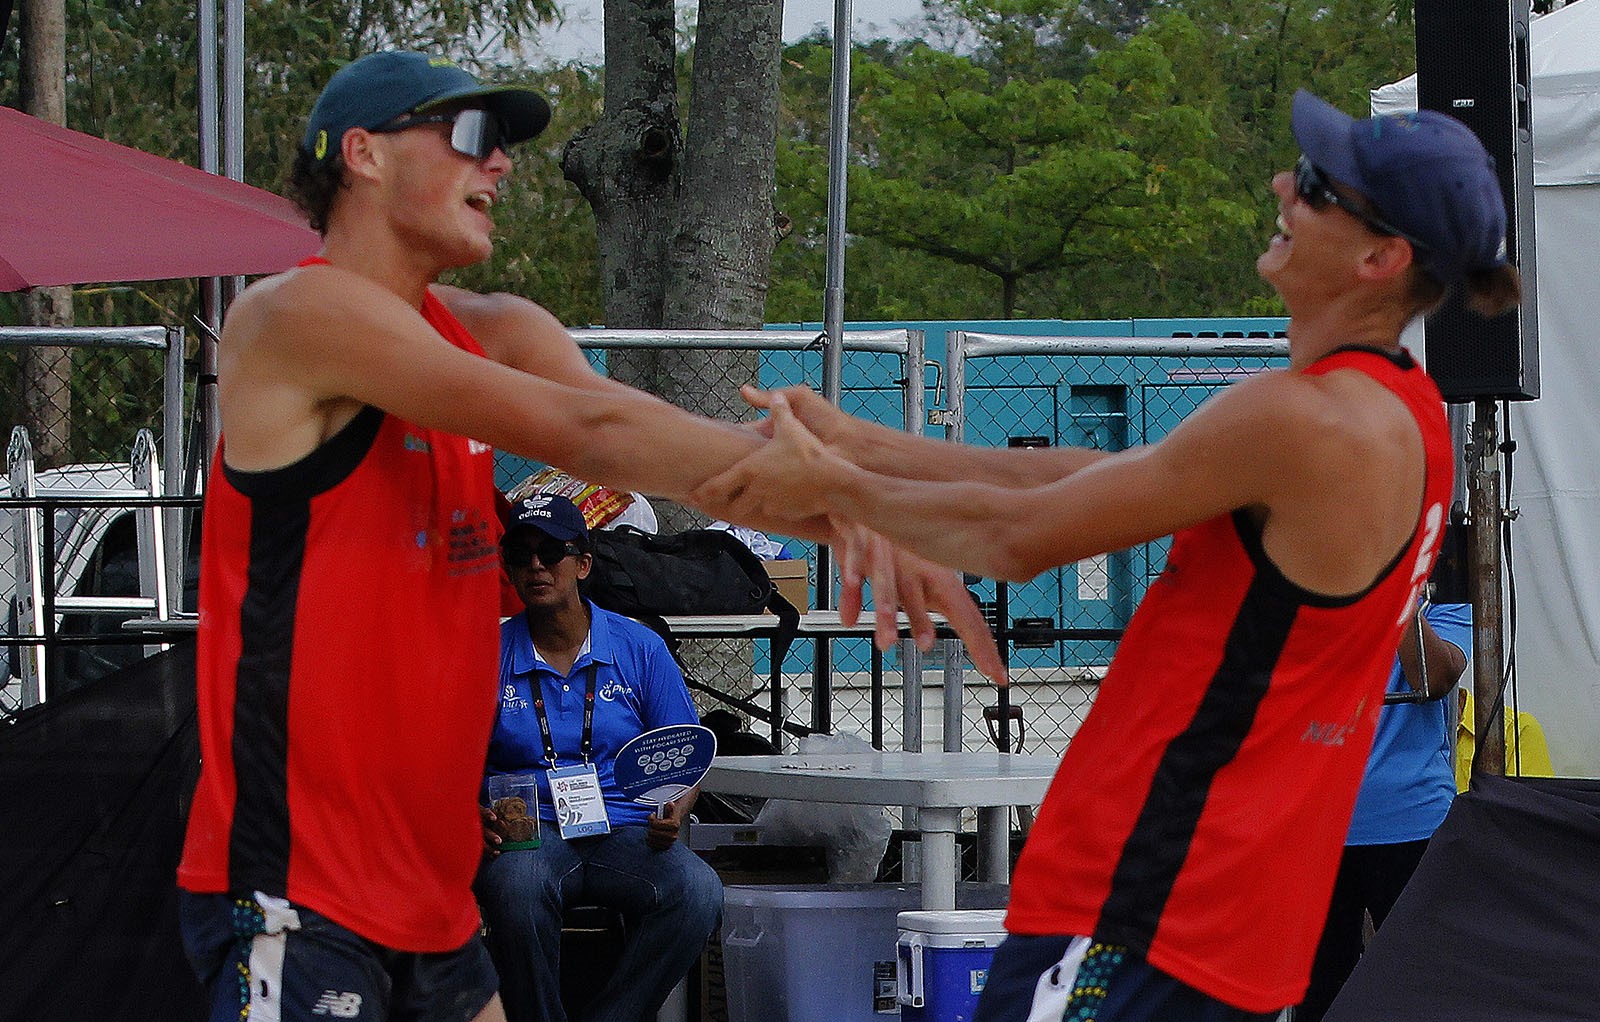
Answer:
(942, 961)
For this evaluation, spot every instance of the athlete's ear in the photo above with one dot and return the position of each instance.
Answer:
(1387, 256)
(360, 150)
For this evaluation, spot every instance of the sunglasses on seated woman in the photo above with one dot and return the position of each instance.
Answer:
(473, 132)
(549, 552)
(1313, 187)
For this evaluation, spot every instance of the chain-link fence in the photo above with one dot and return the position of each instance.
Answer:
(882, 378)
(1060, 629)
(85, 392)
(95, 419)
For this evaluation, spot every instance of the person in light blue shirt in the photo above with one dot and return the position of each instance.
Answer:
(1405, 793)
(559, 656)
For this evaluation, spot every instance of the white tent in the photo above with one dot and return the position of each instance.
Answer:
(1555, 480)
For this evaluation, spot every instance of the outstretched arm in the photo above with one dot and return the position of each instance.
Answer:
(293, 374)
(525, 336)
(907, 455)
(997, 531)
(1315, 459)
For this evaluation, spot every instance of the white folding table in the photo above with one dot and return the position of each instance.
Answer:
(939, 785)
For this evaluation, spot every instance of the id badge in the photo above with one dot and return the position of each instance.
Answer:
(580, 807)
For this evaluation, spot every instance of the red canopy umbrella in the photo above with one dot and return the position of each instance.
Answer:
(76, 209)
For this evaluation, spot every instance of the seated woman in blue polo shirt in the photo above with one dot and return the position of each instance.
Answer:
(576, 682)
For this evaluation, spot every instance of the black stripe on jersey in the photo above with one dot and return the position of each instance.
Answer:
(1400, 359)
(324, 468)
(258, 844)
(1159, 843)
(280, 521)
(1252, 539)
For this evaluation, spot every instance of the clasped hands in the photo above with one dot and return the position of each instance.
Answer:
(798, 484)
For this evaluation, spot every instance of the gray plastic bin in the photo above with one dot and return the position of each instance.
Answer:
(820, 952)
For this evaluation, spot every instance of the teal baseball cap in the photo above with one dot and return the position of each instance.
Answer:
(380, 87)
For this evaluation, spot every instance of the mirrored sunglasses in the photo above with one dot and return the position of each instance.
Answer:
(473, 132)
(549, 552)
(1312, 186)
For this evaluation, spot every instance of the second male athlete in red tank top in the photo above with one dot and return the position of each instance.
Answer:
(1183, 859)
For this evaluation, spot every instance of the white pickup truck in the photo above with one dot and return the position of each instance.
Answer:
(96, 555)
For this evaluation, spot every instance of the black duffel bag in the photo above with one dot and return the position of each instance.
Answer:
(698, 571)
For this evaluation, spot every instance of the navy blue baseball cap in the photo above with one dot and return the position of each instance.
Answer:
(375, 89)
(1425, 173)
(556, 517)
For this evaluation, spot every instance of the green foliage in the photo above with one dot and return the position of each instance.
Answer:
(994, 163)
(131, 78)
(1084, 159)
(1102, 158)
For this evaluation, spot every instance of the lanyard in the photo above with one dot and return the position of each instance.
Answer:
(586, 743)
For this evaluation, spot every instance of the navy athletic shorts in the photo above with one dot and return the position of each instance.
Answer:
(1076, 979)
(265, 959)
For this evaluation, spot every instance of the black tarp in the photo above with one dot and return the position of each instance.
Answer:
(94, 787)
(1502, 918)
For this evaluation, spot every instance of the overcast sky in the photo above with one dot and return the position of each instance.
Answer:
(582, 34)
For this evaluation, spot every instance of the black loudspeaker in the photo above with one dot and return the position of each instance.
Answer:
(1472, 63)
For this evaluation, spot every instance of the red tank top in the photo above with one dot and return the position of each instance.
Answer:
(1199, 813)
(346, 669)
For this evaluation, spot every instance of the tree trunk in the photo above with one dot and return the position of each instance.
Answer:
(721, 250)
(686, 230)
(45, 377)
(627, 164)
(45, 374)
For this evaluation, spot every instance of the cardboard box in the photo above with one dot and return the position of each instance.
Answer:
(702, 837)
(793, 580)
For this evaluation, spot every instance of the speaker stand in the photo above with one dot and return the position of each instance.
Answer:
(1488, 639)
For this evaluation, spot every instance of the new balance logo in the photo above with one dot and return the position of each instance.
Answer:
(338, 1005)
(1334, 734)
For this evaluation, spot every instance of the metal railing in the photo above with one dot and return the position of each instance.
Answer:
(998, 388)
(136, 400)
(97, 391)
(876, 364)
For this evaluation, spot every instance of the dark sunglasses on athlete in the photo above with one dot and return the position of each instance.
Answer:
(549, 552)
(473, 132)
(1314, 188)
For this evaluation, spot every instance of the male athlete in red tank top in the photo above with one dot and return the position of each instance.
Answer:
(1184, 857)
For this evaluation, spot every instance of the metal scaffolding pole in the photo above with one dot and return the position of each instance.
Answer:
(833, 299)
(210, 287)
(1488, 639)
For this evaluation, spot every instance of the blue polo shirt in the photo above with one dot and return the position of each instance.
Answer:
(1410, 782)
(638, 687)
